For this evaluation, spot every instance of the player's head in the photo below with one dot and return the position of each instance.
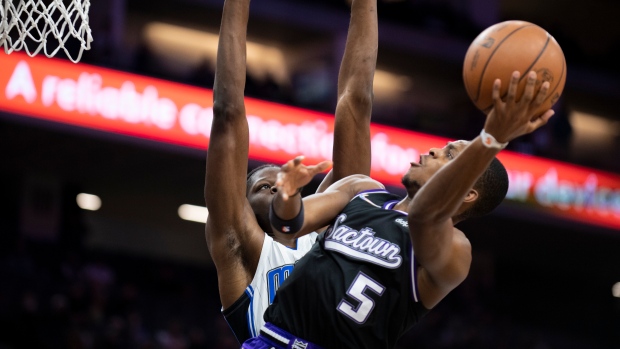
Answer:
(260, 187)
(486, 194)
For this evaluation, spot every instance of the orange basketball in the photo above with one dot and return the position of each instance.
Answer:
(508, 46)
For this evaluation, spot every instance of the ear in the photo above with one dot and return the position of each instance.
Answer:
(471, 196)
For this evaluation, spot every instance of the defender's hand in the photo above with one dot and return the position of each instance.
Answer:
(511, 119)
(293, 175)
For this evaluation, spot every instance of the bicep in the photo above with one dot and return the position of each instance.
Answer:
(231, 219)
(226, 170)
(242, 239)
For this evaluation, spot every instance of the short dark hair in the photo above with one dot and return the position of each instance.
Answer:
(492, 187)
(251, 173)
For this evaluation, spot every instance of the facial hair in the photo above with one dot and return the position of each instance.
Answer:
(412, 185)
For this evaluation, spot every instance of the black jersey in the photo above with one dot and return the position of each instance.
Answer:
(356, 288)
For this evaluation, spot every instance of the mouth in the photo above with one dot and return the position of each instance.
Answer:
(422, 160)
(420, 163)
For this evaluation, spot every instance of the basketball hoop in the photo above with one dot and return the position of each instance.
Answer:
(30, 25)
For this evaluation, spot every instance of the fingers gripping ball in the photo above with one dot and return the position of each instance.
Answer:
(513, 46)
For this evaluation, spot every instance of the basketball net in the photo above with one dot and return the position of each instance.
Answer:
(31, 25)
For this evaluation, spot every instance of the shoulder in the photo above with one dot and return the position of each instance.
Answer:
(461, 242)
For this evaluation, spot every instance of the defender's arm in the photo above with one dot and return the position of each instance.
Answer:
(232, 233)
(351, 152)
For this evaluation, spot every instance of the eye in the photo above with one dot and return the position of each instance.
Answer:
(264, 186)
(450, 156)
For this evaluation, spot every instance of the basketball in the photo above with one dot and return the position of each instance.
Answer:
(513, 46)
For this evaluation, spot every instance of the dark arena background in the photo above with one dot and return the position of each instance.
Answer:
(102, 170)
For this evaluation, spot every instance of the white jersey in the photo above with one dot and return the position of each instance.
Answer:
(274, 266)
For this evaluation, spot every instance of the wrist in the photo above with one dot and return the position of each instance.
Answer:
(286, 226)
(490, 142)
(298, 192)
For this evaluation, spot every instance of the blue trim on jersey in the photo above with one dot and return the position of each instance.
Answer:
(296, 245)
(251, 328)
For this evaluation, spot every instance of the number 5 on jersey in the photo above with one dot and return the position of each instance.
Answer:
(357, 291)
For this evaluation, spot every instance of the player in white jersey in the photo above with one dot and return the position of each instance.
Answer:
(274, 266)
(242, 243)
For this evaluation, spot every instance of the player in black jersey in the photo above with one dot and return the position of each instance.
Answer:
(238, 229)
(385, 261)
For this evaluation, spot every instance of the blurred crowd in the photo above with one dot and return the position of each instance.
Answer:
(87, 299)
(57, 297)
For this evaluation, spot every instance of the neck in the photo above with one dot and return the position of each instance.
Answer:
(288, 240)
(403, 205)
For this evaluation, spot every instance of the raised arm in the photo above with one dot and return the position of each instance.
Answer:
(351, 153)
(318, 209)
(231, 231)
(442, 251)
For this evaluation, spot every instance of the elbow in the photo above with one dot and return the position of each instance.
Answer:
(359, 95)
(226, 110)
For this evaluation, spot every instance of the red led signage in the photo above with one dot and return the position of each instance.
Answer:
(139, 106)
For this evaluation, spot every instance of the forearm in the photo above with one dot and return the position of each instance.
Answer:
(360, 55)
(225, 182)
(230, 68)
(321, 209)
(440, 198)
(351, 152)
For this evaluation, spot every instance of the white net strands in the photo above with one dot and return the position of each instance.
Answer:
(48, 25)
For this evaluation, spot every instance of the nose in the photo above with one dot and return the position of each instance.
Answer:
(273, 189)
(434, 152)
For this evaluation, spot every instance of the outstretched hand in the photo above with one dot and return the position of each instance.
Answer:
(294, 175)
(511, 119)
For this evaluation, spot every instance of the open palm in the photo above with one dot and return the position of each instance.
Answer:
(294, 175)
